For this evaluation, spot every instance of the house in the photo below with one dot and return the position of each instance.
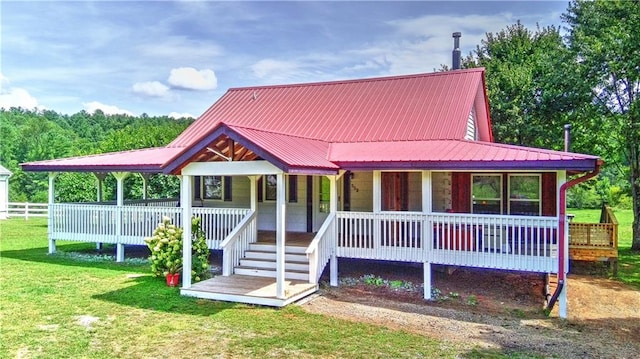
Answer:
(4, 192)
(289, 178)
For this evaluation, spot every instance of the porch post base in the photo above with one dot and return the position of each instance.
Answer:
(120, 252)
(99, 247)
(333, 271)
(427, 280)
(52, 246)
(562, 301)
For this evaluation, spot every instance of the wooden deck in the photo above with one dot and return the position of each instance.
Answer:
(249, 289)
(595, 242)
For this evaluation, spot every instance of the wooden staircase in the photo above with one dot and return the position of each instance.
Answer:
(260, 261)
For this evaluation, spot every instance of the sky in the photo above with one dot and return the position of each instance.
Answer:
(177, 58)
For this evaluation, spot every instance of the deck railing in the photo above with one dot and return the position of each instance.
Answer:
(131, 224)
(595, 235)
(490, 241)
(237, 242)
(321, 247)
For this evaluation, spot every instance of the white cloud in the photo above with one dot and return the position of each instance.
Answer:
(178, 115)
(274, 69)
(16, 97)
(92, 106)
(151, 88)
(191, 79)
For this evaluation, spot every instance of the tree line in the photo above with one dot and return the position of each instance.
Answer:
(29, 135)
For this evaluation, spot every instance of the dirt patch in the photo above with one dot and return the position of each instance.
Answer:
(504, 312)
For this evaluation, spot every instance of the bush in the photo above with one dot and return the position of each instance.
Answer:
(166, 249)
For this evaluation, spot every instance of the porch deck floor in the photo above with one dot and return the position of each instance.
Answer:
(250, 290)
(294, 239)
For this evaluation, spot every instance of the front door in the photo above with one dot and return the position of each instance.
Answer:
(395, 191)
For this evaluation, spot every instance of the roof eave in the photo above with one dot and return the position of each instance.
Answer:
(556, 165)
(99, 168)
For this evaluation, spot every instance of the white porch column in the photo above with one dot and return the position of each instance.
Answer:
(426, 267)
(281, 225)
(51, 200)
(120, 176)
(561, 178)
(100, 176)
(186, 197)
(333, 208)
(253, 183)
(427, 233)
(377, 191)
(145, 184)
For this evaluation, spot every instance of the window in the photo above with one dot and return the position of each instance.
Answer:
(212, 187)
(486, 194)
(524, 195)
(271, 188)
(325, 194)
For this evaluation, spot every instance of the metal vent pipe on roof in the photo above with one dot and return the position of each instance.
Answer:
(455, 63)
(567, 137)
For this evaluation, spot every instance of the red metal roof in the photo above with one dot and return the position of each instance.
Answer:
(294, 152)
(144, 160)
(416, 121)
(401, 108)
(454, 154)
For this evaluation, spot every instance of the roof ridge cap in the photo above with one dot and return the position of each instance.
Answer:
(360, 80)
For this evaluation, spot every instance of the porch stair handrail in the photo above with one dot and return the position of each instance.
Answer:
(237, 242)
(321, 247)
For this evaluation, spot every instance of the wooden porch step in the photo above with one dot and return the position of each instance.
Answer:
(269, 247)
(269, 255)
(271, 264)
(271, 273)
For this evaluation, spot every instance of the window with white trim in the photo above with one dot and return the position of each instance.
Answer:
(212, 187)
(486, 194)
(270, 187)
(525, 194)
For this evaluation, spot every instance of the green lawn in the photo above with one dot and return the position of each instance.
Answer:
(61, 306)
(629, 262)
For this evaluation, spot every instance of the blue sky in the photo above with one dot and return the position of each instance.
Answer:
(178, 57)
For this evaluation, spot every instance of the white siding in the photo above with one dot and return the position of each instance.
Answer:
(471, 126)
(362, 192)
(296, 212)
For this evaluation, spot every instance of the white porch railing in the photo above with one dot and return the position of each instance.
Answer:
(217, 223)
(487, 241)
(321, 247)
(237, 242)
(131, 224)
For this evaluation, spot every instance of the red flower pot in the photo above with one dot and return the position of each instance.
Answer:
(173, 279)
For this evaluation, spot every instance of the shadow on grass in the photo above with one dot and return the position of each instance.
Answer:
(65, 256)
(151, 293)
(629, 267)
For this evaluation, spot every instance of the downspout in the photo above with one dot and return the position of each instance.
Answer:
(561, 230)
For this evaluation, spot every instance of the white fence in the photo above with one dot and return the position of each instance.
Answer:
(26, 210)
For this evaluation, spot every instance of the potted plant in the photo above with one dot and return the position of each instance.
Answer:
(166, 251)
(173, 275)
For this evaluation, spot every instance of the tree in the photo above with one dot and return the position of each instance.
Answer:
(605, 39)
(532, 86)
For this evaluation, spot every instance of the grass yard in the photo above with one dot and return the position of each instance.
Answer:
(64, 306)
(628, 261)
